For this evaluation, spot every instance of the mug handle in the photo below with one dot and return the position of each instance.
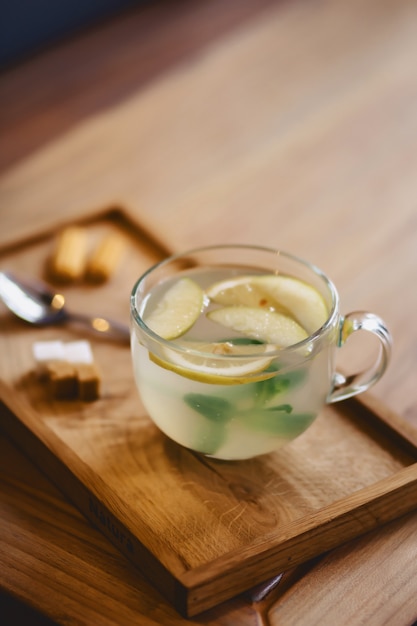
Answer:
(348, 386)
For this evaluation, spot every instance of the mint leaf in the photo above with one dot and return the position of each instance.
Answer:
(243, 341)
(287, 408)
(212, 407)
(267, 389)
(278, 421)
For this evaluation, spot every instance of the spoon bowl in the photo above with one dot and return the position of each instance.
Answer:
(35, 303)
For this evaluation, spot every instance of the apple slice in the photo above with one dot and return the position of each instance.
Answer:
(268, 326)
(285, 294)
(178, 309)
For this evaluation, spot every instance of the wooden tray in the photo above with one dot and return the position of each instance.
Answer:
(201, 530)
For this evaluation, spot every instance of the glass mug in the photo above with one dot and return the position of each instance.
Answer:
(229, 391)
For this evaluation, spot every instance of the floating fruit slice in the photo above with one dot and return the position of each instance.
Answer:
(178, 309)
(209, 368)
(237, 290)
(268, 326)
(303, 301)
(285, 294)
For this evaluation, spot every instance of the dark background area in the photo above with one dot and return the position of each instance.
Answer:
(27, 26)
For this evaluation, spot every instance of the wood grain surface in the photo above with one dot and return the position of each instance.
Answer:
(202, 531)
(295, 128)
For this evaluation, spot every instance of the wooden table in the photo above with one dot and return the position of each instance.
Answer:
(289, 124)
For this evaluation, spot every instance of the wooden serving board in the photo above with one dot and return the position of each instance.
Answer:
(201, 530)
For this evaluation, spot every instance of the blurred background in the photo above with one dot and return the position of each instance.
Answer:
(27, 27)
(289, 123)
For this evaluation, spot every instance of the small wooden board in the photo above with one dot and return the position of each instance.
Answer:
(201, 530)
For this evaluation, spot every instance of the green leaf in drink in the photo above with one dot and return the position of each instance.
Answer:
(271, 387)
(217, 412)
(278, 420)
(244, 341)
(212, 407)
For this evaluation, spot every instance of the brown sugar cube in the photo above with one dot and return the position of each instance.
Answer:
(88, 382)
(61, 380)
(105, 258)
(68, 260)
(46, 352)
(79, 353)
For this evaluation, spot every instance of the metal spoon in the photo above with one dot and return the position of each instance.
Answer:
(36, 304)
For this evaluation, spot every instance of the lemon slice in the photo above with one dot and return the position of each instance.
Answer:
(285, 294)
(268, 326)
(178, 309)
(208, 368)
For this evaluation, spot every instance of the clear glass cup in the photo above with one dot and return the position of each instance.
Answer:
(256, 413)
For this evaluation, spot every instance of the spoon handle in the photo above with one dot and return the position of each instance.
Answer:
(102, 326)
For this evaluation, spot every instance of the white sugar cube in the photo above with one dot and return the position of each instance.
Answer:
(48, 351)
(78, 352)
